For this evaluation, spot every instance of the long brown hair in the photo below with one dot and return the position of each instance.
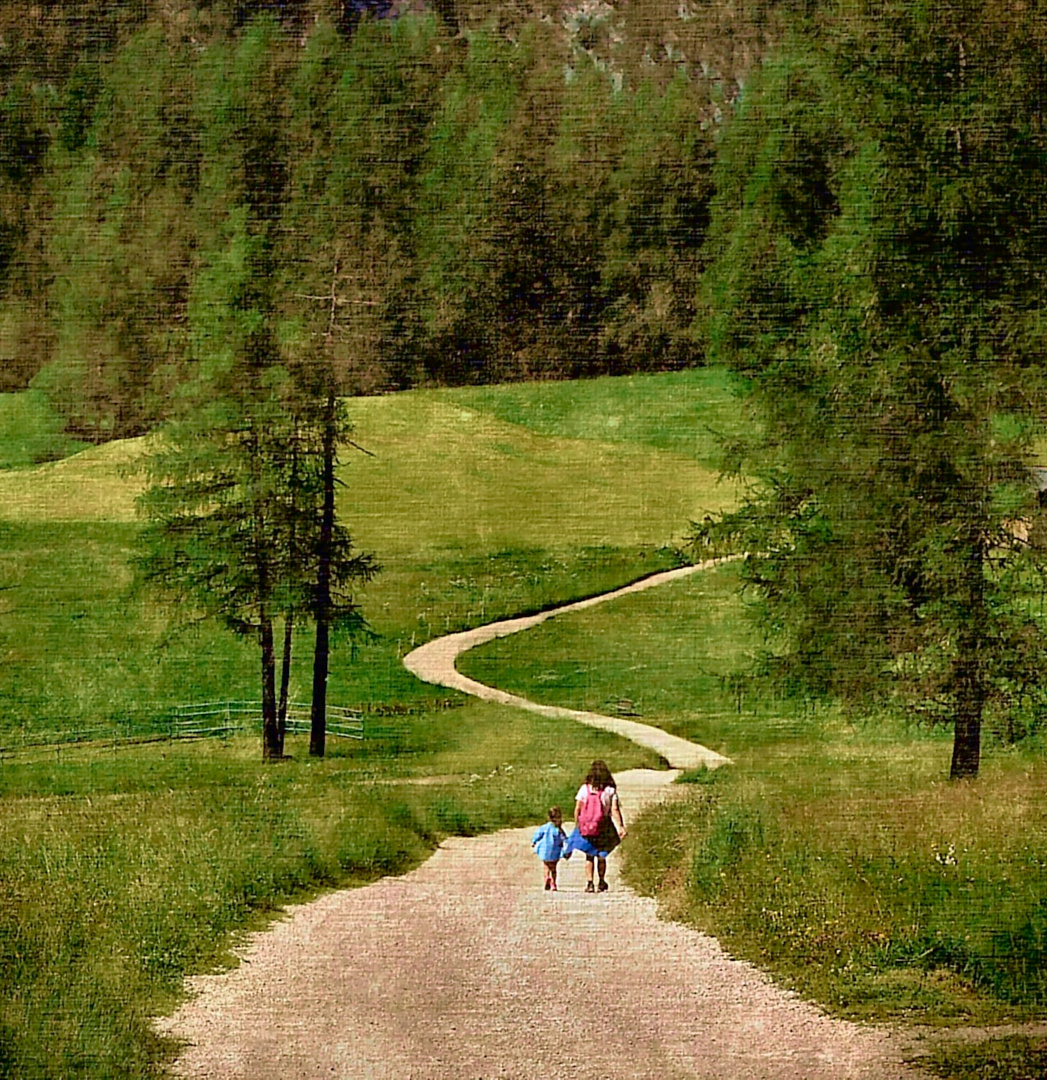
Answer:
(599, 776)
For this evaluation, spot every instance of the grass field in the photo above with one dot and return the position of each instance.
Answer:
(125, 869)
(472, 517)
(831, 853)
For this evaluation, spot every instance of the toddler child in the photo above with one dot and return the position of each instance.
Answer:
(548, 843)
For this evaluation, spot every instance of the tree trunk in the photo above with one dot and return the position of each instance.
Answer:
(318, 716)
(295, 555)
(970, 675)
(966, 747)
(272, 743)
(322, 613)
(285, 675)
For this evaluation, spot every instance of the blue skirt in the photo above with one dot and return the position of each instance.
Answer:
(600, 846)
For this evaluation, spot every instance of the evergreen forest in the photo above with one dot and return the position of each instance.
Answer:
(509, 191)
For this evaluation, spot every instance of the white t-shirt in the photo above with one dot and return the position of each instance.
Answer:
(607, 796)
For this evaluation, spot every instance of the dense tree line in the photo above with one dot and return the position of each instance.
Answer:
(522, 190)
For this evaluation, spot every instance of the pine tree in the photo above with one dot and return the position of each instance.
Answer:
(338, 298)
(881, 252)
(221, 509)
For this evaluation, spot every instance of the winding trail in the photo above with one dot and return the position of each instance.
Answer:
(434, 663)
(464, 969)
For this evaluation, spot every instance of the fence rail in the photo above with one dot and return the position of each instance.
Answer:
(200, 720)
(190, 720)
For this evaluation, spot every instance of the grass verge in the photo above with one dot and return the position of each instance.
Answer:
(1015, 1057)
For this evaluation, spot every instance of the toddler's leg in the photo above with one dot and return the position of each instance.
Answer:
(550, 875)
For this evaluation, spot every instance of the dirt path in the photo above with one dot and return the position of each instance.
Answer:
(465, 969)
(434, 663)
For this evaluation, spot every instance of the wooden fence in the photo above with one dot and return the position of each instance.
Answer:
(199, 721)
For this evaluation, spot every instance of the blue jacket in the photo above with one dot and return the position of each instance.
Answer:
(549, 842)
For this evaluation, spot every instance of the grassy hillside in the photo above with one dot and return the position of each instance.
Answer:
(689, 413)
(472, 517)
(506, 473)
(458, 476)
(123, 869)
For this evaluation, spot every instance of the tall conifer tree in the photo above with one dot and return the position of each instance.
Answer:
(221, 509)
(352, 129)
(882, 253)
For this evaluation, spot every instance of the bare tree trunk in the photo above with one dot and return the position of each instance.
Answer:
(272, 743)
(970, 675)
(285, 675)
(285, 669)
(966, 747)
(322, 612)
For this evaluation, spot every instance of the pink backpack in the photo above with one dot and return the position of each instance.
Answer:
(591, 814)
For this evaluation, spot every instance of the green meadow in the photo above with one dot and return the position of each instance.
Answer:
(472, 517)
(832, 853)
(127, 865)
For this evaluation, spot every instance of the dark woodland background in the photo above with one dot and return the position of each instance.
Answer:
(508, 190)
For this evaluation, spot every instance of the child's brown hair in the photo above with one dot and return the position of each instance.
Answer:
(554, 813)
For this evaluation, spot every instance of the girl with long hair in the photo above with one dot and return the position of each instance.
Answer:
(595, 808)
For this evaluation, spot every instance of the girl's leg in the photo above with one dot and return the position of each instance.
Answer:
(601, 867)
(589, 873)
